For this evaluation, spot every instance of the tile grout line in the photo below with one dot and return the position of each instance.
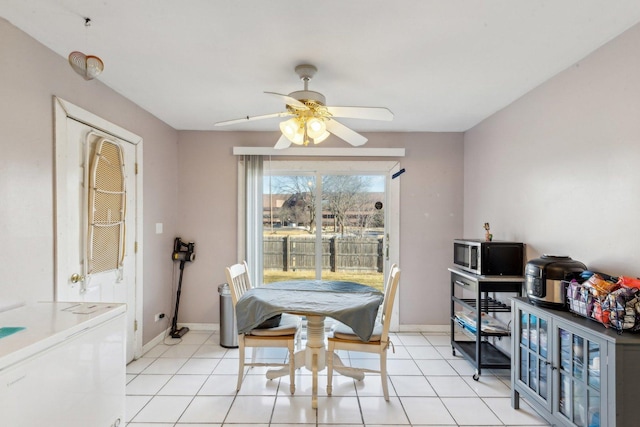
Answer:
(357, 394)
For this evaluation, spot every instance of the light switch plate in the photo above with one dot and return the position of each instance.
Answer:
(158, 228)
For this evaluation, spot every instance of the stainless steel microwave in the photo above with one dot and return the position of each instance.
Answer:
(495, 258)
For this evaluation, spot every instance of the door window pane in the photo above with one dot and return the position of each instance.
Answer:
(594, 410)
(579, 404)
(565, 393)
(578, 356)
(524, 329)
(543, 338)
(594, 365)
(543, 379)
(565, 349)
(533, 371)
(353, 224)
(533, 332)
(343, 226)
(524, 370)
(289, 224)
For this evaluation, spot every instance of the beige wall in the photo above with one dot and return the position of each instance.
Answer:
(30, 75)
(193, 197)
(431, 216)
(558, 169)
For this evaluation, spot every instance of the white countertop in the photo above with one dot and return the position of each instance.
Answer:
(6, 305)
(48, 323)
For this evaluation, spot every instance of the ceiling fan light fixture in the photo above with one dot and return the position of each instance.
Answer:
(318, 139)
(299, 137)
(292, 130)
(289, 128)
(316, 127)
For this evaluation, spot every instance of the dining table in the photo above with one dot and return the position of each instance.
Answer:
(354, 304)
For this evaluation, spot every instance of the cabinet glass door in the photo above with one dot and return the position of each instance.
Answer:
(533, 347)
(579, 394)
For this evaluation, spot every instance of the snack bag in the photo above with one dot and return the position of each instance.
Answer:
(600, 312)
(629, 282)
(623, 306)
(599, 286)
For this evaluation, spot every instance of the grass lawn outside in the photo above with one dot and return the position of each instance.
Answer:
(375, 280)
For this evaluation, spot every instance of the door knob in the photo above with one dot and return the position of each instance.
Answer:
(75, 278)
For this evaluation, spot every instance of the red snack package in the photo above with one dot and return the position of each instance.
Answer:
(629, 282)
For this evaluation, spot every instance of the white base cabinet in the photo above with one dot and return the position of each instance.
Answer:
(572, 370)
(66, 368)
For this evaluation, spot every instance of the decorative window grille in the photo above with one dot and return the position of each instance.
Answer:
(107, 209)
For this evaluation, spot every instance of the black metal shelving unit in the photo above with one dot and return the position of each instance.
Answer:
(474, 293)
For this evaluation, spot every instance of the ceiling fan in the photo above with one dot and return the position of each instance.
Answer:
(312, 119)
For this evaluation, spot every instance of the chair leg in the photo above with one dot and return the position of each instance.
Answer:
(292, 368)
(240, 361)
(330, 369)
(383, 374)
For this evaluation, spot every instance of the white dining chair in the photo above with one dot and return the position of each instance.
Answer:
(344, 338)
(393, 266)
(284, 335)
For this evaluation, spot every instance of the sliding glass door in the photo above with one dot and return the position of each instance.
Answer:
(324, 221)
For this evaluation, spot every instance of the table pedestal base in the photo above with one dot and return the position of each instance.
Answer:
(313, 357)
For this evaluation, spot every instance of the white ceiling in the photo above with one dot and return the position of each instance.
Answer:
(439, 65)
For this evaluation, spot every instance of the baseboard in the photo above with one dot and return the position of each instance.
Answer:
(155, 341)
(213, 327)
(425, 328)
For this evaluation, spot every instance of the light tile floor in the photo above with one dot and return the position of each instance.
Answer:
(191, 382)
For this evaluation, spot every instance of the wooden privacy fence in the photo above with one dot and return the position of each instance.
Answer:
(290, 253)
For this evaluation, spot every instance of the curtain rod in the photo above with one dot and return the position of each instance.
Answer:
(320, 152)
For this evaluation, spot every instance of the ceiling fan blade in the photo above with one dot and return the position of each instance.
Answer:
(283, 142)
(288, 100)
(251, 118)
(370, 113)
(343, 132)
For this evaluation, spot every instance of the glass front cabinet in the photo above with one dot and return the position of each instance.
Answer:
(534, 369)
(572, 370)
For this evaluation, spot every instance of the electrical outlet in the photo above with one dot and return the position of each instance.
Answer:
(158, 317)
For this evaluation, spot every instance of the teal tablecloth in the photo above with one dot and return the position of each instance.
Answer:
(353, 304)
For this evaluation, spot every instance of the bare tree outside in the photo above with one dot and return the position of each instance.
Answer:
(352, 227)
(347, 198)
(299, 206)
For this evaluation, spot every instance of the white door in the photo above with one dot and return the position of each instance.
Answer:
(74, 279)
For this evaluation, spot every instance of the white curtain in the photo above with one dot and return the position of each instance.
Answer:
(253, 168)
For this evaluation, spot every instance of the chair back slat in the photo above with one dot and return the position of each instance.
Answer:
(239, 281)
(389, 296)
(387, 285)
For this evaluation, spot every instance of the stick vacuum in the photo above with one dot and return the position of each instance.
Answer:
(183, 252)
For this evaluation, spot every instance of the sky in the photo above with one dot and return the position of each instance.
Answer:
(377, 183)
